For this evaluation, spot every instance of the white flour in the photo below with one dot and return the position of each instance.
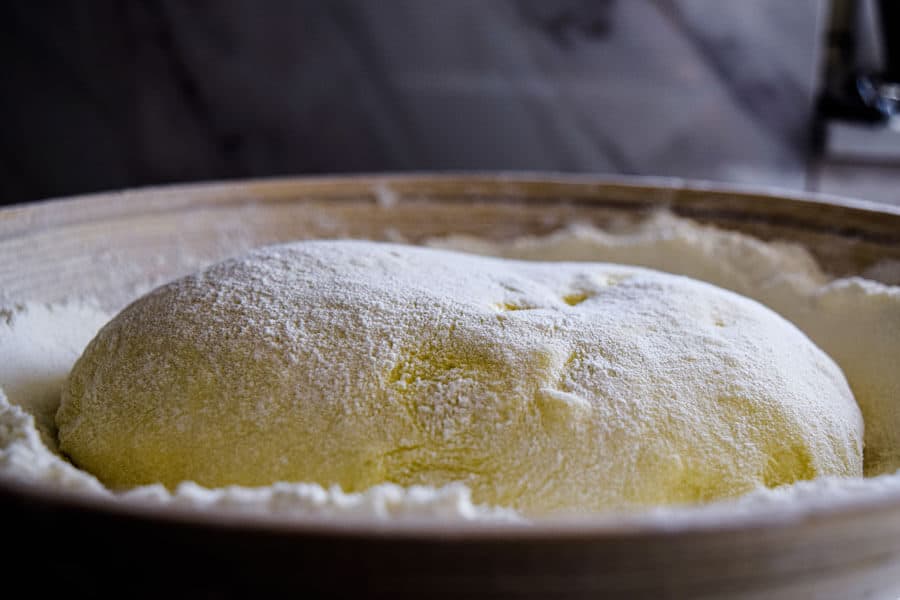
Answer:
(856, 321)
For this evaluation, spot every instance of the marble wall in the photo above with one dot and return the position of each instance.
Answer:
(107, 94)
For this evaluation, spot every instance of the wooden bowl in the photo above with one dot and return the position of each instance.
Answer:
(112, 246)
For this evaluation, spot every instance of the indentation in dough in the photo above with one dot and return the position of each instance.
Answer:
(561, 411)
(559, 407)
(575, 298)
(511, 306)
(422, 377)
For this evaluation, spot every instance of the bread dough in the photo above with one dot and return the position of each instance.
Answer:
(542, 386)
(855, 321)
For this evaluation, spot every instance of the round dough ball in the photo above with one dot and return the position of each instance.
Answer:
(542, 386)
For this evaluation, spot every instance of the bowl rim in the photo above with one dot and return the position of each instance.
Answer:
(604, 527)
(22, 219)
(225, 191)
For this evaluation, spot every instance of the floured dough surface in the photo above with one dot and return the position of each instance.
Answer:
(856, 321)
(541, 386)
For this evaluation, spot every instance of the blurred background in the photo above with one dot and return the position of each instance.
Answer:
(106, 94)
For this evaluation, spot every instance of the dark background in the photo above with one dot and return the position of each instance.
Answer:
(107, 94)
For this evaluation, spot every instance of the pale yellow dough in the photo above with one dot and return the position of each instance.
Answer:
(542, 386)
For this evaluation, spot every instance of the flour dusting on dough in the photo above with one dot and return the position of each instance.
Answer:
(856, 321)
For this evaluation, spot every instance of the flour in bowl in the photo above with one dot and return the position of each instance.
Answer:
(729, 260)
